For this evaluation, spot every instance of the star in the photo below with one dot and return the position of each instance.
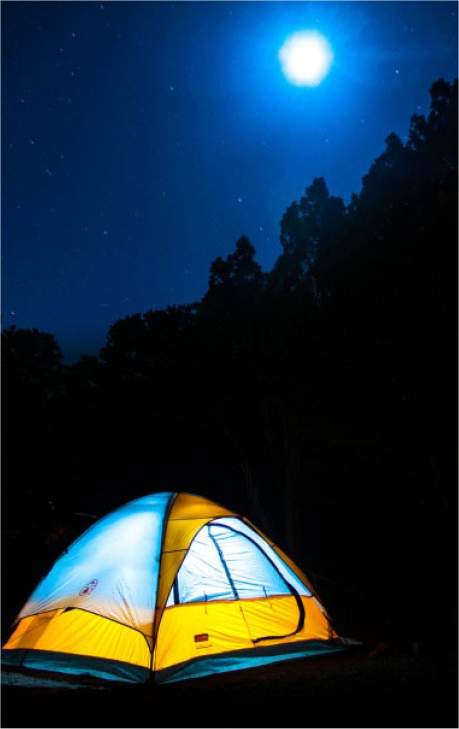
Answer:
(240, 199)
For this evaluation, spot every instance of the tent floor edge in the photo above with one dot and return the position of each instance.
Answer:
(240, 660)
(70, 664)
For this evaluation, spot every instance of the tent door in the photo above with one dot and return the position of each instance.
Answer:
(269, 620)
(271, 607)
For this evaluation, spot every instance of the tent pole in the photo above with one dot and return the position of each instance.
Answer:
(155, 624)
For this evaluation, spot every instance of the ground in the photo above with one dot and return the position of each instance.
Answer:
(391, 689)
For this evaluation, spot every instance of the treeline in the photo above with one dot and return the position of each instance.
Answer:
(318, 398)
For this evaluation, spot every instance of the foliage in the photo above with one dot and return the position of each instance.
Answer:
(29, 354)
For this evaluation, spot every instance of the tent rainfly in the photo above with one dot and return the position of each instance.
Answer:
(169, 586)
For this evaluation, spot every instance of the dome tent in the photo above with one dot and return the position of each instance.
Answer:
(174, 586)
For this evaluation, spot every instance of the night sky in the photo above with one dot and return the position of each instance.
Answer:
(141, 140)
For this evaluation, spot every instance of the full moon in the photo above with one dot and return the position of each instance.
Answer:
(306, 58)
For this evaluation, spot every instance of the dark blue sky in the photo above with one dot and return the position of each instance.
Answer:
(140, 140)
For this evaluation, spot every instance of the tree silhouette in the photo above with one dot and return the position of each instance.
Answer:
(308, 228)
(29, 354)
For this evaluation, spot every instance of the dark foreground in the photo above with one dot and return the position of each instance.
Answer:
(346, 690)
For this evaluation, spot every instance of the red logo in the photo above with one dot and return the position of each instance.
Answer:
(87, 589)
(201, 637)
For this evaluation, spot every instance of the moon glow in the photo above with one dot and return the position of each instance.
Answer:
(306, 58)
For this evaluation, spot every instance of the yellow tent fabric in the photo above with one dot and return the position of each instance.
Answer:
(167, 582)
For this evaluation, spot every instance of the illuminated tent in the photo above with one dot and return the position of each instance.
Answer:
(171, 586)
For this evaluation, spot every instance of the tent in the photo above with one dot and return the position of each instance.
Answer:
(169, 586)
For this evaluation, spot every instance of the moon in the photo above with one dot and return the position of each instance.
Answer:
(306, 58)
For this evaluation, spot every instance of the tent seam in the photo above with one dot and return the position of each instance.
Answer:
(155, 627)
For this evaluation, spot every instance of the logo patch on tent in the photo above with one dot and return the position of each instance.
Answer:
(201, 637)
(87, 589)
